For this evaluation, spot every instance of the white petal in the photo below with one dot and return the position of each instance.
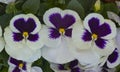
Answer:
(7, 1)
(50, 42)
(86, 57)
(92, 15)
(2, 44)
(36, 69)
(113, 30)
(108, 49)
(118, 4)
(62, 12)
(54, 67)
(77, 34)
(117, 39)
(26, 17)
(113, 16)
(59, 54)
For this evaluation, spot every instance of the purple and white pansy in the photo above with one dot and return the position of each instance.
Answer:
(93, 40)
(21, 66)
(2, 42)
(59, 24)
(23, 37)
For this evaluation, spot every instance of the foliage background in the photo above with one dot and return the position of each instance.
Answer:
(38, 7)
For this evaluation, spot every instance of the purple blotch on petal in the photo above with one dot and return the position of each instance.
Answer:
(114, 56)
(17, 37)
(61, 67)
(54, 33)
(68, 32)
(16, 70)
(87, 36)
(100, 43)
(77, 69)
(25, 26)
(93, 24)
(14, 61)
(73, 63)
(33, 37)
(62, 22)
(103, 30)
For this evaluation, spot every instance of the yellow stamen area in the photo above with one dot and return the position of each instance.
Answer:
(94, 36)
(25, 34)
(21, 65)
(62, 31)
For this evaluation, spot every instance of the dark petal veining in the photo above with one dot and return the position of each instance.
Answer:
(16, 70)
(33, 37)
(68, 32)
(87, 36)
(73, 64)
(25, 26)
(62, 22)
(77, 69)
(100, 43)
(93, 24)
(17, 36)
(54, 33)
(103, 30)
(114, 56)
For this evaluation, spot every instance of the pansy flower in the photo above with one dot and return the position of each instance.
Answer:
(72, 66)
(21, 66)
(23, 37)
(59, 25)
(93, 40)
(2, 42)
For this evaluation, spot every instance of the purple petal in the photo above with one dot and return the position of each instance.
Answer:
(61, 67)
(77, 69)
(24, 66)
(25, 26)
(100, 43)
(87, 36)
(54, 33)
(62, 22)
(16, 70)
(33, 37)
(68, 32)
(103, 30)
(14, 61)
(114, 56)
(93, 24)
(73, 63)
(17, 36)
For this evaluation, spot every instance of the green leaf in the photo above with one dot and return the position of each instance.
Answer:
(2, 8)
(31, 6)
(108, 7)
(75, 5)
(87, 4)
(5, 19)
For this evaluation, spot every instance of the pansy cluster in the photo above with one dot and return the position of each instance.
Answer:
(68, 42)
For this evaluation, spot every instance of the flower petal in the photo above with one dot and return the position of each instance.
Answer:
(100, 43)
(113, 30)
(107, 50)
(17, 22)
(50, 42)
(78, 41)
(59, 54)
(92, 21)
(36, 69)
(114, 59)
(53, 16)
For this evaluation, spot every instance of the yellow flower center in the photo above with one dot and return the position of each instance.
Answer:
(62, 31)
(94, 36)
(21, 65)
(25, 34)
